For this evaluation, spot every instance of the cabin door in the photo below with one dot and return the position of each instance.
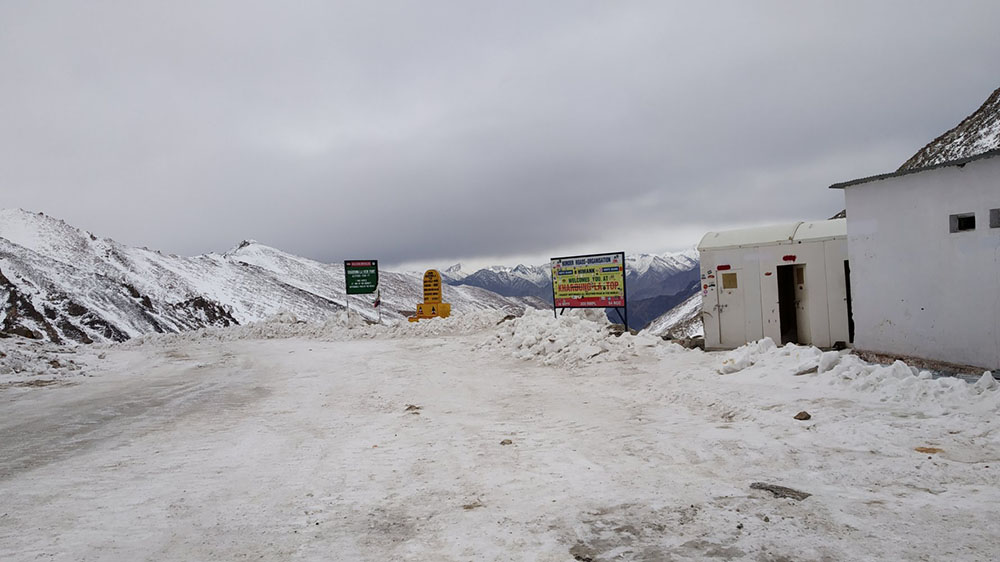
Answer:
(732, 313)
(792, 311)
(802, 305)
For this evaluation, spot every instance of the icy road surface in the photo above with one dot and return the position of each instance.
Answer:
(391, 449)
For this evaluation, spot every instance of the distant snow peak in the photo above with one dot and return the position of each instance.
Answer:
(453, 274)
(670, 262)
(246, 243)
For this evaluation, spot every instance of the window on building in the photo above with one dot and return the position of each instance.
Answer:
(994, 218)
(729, 281)
(962, 221)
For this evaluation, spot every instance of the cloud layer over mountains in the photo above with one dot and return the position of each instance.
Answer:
(448, 130)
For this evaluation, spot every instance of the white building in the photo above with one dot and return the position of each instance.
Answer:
(787, 282)
(924, 248)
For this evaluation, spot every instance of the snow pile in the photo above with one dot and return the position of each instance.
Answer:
(282, 325)
(900, 383)
(26, 362)
(747, 355)
(895, 383)
(580, 336)
(575, 337)
(456, 324)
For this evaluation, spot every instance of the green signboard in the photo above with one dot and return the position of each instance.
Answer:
(361, 276)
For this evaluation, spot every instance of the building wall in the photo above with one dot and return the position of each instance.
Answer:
(836, 287)
(744, 263)
(917, 288)
(827, 289)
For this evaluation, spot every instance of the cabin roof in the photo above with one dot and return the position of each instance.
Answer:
(775, 234)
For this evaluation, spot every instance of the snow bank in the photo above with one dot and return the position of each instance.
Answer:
(25, 362)
(340, 327)
(895, 383)
(576, 337)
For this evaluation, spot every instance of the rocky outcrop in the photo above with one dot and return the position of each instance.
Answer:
(976, 134)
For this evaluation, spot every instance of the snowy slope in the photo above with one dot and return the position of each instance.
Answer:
(60, 300)
(682, 321)
(976, 134)
(60, 283)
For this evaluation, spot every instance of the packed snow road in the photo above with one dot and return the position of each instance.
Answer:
(448, 448)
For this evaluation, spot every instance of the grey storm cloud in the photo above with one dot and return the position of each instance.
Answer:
(415, 131)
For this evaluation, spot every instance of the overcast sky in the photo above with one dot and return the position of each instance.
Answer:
(424, 132)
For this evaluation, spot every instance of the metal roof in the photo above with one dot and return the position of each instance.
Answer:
(775, 234)
(759, 236)
(821, 230)
(959, 162)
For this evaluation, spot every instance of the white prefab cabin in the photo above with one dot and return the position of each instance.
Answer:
(788, 282)
(924, 247)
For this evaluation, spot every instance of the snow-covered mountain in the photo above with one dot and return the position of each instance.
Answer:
(60, 283)
(519, 281)
(537, 274)
(453, 273)
(649, 275)
(976, 134)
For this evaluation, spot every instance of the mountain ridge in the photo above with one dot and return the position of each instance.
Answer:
(64, 284)
(647, 276)
(976, 134)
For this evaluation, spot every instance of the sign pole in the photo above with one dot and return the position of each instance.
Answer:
(554, 313)
(625, 289)
(622, 318)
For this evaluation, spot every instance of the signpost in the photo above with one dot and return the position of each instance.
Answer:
(590, 281)
(433, 306)
(361, 278)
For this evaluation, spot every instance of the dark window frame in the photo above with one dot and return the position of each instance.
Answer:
(962, 222)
